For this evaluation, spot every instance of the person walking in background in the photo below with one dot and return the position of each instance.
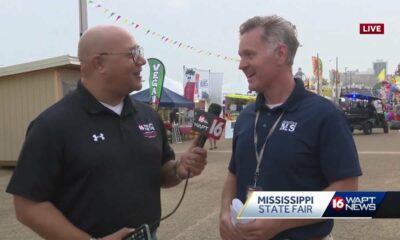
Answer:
(213, 143)
(173, 116)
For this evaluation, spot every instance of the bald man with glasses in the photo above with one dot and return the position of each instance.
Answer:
(92, 165)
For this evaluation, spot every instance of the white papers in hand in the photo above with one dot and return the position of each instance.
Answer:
(235, 209)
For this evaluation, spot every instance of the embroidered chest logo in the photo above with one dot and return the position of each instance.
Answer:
(288, 126)
(98, 137)
(148, 130)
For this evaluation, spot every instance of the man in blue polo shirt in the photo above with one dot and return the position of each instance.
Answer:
(92, 164)
(288, 140)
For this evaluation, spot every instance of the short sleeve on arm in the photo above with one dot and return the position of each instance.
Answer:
(338, 153)
(38, 168)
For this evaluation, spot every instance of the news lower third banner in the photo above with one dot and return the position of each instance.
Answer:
(324, 204)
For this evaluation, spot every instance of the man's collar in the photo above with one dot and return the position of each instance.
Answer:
(93, 106)
(291, 103)
(129, 107)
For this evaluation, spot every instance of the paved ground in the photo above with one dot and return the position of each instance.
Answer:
(197, 218)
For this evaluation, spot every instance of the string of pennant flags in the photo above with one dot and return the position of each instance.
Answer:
(166, 39)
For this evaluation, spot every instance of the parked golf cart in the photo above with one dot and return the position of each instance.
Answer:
(365, 113)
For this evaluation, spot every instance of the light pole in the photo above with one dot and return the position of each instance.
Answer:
(83, 22)
(337, 81)
(350, 79)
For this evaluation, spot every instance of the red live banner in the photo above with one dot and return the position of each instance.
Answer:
(372, 28)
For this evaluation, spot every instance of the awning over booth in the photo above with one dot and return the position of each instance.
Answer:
(361, 96)
(168, 99)
(241, 96)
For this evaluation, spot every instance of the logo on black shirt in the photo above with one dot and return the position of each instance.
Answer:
(148, 130)
(98, 137)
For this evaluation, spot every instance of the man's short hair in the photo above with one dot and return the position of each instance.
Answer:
(276, 30)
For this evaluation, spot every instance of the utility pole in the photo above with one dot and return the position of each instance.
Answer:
(83, 22)
(351, 83)
(337, 82)
(318, 87)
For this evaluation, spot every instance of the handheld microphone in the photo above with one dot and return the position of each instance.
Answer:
(215, 110)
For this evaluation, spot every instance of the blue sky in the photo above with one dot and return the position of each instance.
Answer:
(33, 30)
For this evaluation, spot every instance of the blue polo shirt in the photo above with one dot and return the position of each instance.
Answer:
(310, 148)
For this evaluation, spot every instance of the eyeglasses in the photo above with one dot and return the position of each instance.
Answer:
(135, 52)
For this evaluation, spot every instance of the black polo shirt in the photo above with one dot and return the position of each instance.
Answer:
(100, 169)
(311, 147)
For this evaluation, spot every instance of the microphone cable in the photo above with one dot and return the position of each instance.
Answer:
(177, 206)
(214, 109)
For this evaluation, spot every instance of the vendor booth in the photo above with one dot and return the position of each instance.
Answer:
(169, 101)
(174, 109)
(234, 104)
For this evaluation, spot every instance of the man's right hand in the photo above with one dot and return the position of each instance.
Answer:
(118, 235)
(227, 230)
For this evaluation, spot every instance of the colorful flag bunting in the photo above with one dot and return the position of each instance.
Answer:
(164, 38)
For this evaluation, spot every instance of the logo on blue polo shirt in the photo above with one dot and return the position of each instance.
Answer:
(288, 126)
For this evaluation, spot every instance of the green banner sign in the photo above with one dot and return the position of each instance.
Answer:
(156, 80)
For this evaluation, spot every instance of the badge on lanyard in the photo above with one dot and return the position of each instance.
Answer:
(260, 154)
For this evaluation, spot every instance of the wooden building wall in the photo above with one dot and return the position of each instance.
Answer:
(22, 97)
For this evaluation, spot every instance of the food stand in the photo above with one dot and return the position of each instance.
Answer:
(234, 104)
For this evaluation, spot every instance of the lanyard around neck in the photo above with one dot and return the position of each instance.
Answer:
(260, 154)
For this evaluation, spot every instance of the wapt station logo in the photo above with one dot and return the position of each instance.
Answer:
(354, 204)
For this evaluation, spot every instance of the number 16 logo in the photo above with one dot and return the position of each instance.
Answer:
(338, 203)
(216, 129)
